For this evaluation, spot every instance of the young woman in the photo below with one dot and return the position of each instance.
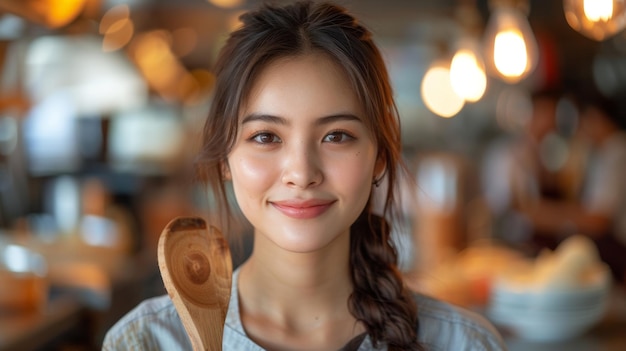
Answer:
(304, 125)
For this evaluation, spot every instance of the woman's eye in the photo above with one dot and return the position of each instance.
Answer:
(265, 138)
(337, 137)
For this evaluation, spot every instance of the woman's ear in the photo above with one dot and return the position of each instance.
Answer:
(380, 167)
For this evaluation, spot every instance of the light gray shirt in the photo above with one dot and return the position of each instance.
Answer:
(155, 325)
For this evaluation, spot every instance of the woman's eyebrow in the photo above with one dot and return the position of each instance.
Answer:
(338, 117)
(264, 118)
(283, 121)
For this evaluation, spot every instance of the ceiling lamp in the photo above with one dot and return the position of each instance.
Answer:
(467, 72)
(511, 51)
(437, 92)
(596, 19)
(467, 68)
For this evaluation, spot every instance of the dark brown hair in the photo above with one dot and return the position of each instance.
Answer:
(379, 300)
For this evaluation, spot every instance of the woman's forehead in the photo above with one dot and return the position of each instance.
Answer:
(304, 84)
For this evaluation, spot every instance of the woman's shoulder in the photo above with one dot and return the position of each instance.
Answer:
(151, 325)
(443, 326)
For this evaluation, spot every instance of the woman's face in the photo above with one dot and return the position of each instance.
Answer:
(303, 162)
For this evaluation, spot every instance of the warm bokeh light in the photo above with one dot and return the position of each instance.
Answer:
(204, 81)
(227, 4)
(184, 41)
(62, 12)
(158, 63)
(117, 28)
(596, 19)
(511, 51)
(118, 35)
(467, 75)
(50, 13)
(438, 94)
(155, 60)
(598, 10)
(113, 15)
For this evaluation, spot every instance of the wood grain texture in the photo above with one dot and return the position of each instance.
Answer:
(196, 268)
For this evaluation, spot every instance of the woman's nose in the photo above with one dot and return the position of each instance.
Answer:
(302, 167)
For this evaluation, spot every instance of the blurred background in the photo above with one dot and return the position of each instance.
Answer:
(513, 116)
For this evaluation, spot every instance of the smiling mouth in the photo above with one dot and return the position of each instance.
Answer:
(302, 210)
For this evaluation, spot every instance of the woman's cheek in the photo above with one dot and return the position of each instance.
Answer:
(354, 174)
(253, 173)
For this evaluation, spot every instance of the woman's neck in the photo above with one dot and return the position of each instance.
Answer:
(297, 299)
(278, 275)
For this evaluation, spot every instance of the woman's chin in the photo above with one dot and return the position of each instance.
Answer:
(305, 241)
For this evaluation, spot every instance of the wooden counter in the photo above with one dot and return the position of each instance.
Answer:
(78, 319)
(60, 323)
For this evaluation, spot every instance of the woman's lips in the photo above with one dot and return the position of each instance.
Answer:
(302, 209)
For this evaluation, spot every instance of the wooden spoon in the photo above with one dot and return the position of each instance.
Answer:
(196, 269)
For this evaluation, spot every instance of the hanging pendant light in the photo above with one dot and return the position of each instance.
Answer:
(467, 68)
(437, 92)
(467, 71)
(596, 19)
(511, 51)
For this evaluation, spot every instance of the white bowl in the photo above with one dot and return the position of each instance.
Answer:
(548, 314)
(541, 325)
(551, 299)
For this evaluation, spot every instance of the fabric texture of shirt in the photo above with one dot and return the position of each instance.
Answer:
(155, 325)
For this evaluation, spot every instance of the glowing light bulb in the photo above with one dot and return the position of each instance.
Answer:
(437, 92)
(598, 10)
(596, 19)
(467, 72)
(511, 51)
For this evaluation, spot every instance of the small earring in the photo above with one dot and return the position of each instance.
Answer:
(376, 182)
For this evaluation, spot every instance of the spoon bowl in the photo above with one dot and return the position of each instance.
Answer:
(196, 268)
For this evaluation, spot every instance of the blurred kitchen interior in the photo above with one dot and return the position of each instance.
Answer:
(102, 100)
